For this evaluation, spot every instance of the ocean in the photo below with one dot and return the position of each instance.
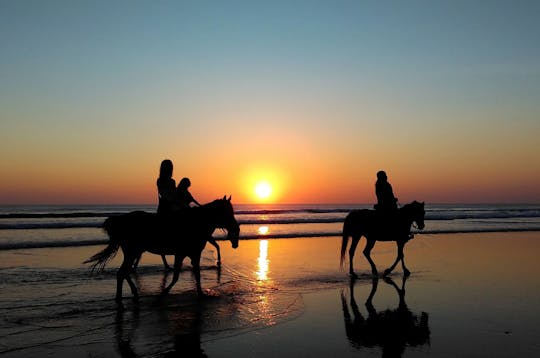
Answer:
(80, 225)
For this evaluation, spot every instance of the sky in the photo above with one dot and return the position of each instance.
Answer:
(311, 97)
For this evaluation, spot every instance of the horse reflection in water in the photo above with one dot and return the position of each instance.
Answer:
(392, 330)
(183, 323)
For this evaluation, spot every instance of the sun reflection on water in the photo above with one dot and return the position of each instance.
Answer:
(263, 230)
(262, 261)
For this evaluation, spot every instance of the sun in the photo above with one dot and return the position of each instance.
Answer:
(263, 190)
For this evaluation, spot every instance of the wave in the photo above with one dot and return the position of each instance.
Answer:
(439, 213)
(29, 225)
(76, 225)
(298, 235)
(58, 215)
(484, 214)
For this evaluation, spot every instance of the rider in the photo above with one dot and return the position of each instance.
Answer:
(386, 201)
(167, 196)
(184, 197)
(166, 188)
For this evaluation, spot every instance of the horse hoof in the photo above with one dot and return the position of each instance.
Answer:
(406, 273)
(387, 272)
(353, 275)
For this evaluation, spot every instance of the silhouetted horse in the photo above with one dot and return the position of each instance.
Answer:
(392, 330)
(180, 235)
(377, 226)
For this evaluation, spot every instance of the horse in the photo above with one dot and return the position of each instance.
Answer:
(180, 235)
(376, 226)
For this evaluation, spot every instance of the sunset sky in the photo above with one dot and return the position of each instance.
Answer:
(311, 97)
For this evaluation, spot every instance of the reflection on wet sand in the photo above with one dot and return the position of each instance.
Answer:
(186, 331)
(262, 261)
(392, 330)
(178, 325)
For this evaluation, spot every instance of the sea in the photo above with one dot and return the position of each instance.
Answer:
(42, 226)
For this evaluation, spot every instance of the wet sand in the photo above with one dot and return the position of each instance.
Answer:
(468, 295)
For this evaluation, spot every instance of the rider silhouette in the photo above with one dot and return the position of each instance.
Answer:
(386, 201)
(168, 201)
(166, 188)
(184, 197)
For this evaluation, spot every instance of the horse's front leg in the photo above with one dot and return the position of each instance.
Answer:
(406, 272)
(215, 244)
(196, 263)
(123, 274)
(400, 257)
(165, 263)
(136, 262)
(176, 272)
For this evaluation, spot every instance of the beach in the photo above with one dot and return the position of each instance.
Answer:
(469, 294)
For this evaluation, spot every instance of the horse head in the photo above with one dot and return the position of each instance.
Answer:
(226, 220)
(418, 212)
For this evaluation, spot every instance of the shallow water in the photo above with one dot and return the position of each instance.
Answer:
(468, 295)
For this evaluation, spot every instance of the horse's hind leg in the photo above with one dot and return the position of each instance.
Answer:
(215, 244)
(352, 249)
(367, 254)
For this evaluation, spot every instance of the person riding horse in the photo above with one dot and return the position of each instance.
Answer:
(386, 201)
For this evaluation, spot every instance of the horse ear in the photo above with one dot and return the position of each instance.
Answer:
(230, 196)
(224, 197)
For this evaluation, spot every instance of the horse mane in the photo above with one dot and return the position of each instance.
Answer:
(411, 205)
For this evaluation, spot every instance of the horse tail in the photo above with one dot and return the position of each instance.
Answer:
(100, 260)
(344, 240)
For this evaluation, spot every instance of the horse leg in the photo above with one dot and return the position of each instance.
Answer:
(196, 263)
(123, 274)
(136, 262)
(165, 263)
(354, 243)
(176, 273)
(399, 257)
(406, 272)
(367, 252)
(215, 244)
